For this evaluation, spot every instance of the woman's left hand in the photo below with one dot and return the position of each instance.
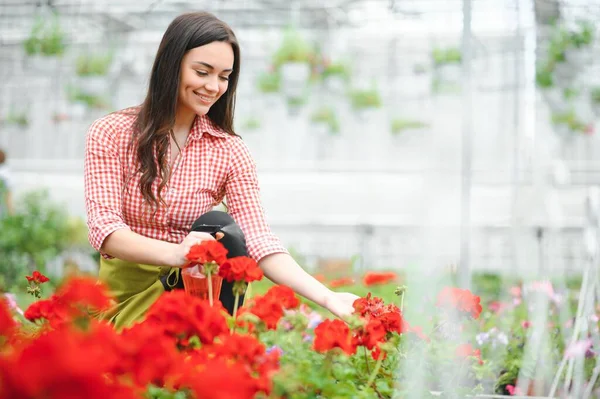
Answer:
(340, 303)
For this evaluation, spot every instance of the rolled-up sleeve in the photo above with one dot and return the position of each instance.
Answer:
(244, 205)
(103, 184)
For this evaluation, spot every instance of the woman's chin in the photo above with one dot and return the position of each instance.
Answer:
(201, 109)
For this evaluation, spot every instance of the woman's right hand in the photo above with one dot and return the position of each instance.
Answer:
(181, 250)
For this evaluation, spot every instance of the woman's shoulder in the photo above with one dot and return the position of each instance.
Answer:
(116, 123)
(219, 135)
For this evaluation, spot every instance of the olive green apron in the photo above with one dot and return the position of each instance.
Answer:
(135, 287)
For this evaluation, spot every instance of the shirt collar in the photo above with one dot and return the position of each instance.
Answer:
(203, 124)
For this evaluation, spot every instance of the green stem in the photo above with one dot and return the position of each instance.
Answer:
(376, 369)
(402, 302)
(210, 294)
(366, 359)
(235, 308)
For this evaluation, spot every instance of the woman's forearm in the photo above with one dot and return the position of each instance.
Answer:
(282, 269)
(126, 245)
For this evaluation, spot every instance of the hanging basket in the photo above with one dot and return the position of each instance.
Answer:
(47, 64)
(335, 84)
(195, 283)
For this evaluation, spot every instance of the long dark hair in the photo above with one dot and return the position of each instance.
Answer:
(156, 116)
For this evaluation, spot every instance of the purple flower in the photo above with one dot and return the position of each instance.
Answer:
(274, 348)
(307, 337)
(314, 320)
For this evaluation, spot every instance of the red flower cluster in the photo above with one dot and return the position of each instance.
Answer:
(369, 279)
(246, 352)
(379, 322)
(184, 343)
(35, 280)
(270, 307)
(181, 316)
(207, 252)
(332, 334)
(466, 351)
(460, 300)
(37, 277)
(76, 298)
(341, 282)
(7, 323)
(379, 278)
(241, 270)
(63, 363)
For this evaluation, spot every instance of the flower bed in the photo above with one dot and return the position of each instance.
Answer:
(403, 345)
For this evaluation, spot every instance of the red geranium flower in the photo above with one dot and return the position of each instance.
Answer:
(378, 278)
(76, 298)
(466, 351)
(240, 268)
(266, 308)
(63, 364)
(207, 252)
(221, 379)
(284, 295)
(332, 334)
(341, 282)
(370, 335)
(461, 300)
(181, 316)
(37, 277)
(7, 323)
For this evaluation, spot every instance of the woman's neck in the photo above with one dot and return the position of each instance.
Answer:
(184, 119)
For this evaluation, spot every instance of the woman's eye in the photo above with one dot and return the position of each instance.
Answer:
(225, 78)
(201, 73)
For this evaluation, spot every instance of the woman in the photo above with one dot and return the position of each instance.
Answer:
(153, 171)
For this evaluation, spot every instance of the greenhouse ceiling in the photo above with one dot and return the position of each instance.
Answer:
(421, 16)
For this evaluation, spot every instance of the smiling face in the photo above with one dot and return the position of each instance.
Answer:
(204, 76)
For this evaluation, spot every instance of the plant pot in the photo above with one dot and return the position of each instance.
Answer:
(195, 283)
(335, 84)
(43, 63)
(294, 78)
(320, 129)
(93, 85)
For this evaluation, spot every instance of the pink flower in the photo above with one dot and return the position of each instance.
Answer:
(497, 306)
(526, 324)
(11, 299)
(515, 291)
(578, 348)
(513, 390)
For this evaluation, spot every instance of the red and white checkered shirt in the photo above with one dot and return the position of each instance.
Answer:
(212, 165)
